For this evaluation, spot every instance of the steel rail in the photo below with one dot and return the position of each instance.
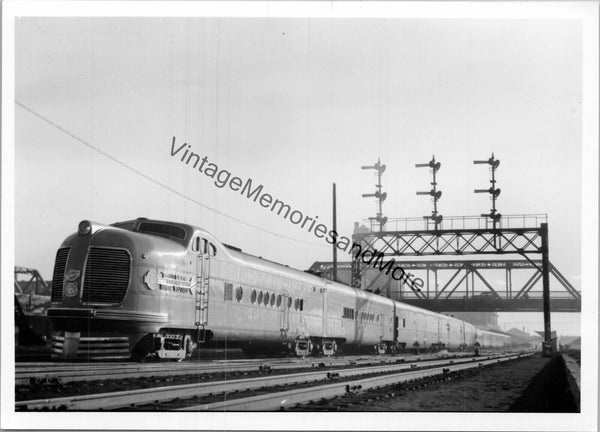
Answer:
(67, 374)
(131, 398)
(275, 401)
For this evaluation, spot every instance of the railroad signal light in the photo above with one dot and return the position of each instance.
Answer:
(381, 196)
(431, 164)
(493, 190)
(495, 217)
(493, 162)
(436, 194)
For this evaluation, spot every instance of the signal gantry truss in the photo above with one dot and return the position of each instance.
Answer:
(498, 240)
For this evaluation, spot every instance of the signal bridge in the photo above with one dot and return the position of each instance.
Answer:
(462, 284)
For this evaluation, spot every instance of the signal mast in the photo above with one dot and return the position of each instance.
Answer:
(381, 196)
(493, 190)
(434, 193)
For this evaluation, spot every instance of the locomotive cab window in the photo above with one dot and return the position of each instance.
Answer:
(162, 229)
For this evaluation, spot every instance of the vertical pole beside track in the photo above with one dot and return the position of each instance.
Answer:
(335, 275)
(547, 347)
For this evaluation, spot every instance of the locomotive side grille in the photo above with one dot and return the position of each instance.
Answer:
(59, 274)
(106, 276)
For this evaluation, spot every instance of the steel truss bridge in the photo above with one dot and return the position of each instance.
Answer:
(468, 285)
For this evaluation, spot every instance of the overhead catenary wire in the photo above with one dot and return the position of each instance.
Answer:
(156, 182)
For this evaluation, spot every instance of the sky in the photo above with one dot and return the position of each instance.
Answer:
(295, 104)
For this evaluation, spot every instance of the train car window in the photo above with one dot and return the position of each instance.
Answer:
(260, 297)
(378, 317)
(272, 300)
(403, 322)
(204, 245)
(212, 250)
(228, 292)
(162, 229)
(253, 296)
(289, 302)
(296, 304)
(196, 244)
(239, 293)
(278, 301)
(348, 313)
(302, 304)
(266, 298)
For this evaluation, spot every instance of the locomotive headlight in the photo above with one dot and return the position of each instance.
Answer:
(85, 227)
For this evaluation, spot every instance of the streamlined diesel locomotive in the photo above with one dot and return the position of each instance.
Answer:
(152, 288)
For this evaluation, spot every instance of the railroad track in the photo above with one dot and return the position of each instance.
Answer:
(63, 373)
(262, 393)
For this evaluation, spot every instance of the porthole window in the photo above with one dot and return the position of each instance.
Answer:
(253, 296)
(260, 297)
(278, 301)
(272, 300)
(239, 293)
(266, 298)
(289, 302)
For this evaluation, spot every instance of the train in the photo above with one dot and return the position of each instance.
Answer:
(148, 288)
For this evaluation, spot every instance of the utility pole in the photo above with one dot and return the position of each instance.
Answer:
(335, 276)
